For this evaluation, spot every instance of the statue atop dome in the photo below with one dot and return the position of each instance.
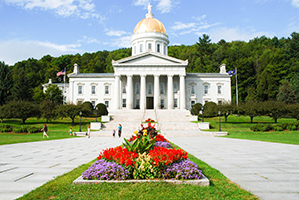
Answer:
(149, 14)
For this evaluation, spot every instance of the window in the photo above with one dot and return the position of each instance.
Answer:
(137, 88)
(124, 87)
(137, 104)
(107, 104)
(192, 103)
(175, 87)
(140, 48)
(158, 48)
(206, 89)
(192, 89)
(206, 101)
(80, 89)
(149, 89)
(219, 89)
(162, 103)
(93, 103)
(124, 103)
(149, 45)
(106, 89)
(93, 89)
(162, 88)
(175, 103)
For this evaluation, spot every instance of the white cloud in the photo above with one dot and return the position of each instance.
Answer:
(141, 2)
(164, 6)
(180, 25)
(199, 18)
(115, 33)
(89, 40)
(233, 34)
(295, 3)
(122, 42)
(13, 51)
(65, 8)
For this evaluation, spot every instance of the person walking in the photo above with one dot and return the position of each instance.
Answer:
(88, 132)
(113, 132)
(45, 130)
(71, 131)
(119, 130)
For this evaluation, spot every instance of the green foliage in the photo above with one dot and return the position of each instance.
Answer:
(274, 109)
(101, 109)
(286, 94)
(226, 109)
(145, 169)
(22, 110)
(87, 109)
(54, 94)
(251, 108)
(210, 109)
(48, 110)
(69, 110)
(5, 82)
(141, 144)
(196, 108)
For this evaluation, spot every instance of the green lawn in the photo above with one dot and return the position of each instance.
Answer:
(58, 129)
(62, 188)
(239, 127)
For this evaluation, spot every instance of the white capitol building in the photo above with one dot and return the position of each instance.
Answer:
(149, 79)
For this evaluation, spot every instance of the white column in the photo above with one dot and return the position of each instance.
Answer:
(130, 91)
(157, 91)
(142, 92)
(182, 93)
(117, 91)
(170, 91)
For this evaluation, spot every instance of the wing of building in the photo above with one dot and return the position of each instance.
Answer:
(149, 79)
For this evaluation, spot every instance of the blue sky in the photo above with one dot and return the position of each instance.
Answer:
(34, 28)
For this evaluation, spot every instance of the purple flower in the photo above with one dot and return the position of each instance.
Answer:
(163, 144)
(102, 170)
(184, 169)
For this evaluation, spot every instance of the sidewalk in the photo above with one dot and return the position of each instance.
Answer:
(268, 170)
(26, 166)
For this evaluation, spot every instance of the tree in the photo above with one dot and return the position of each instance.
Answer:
(286, 94)
(69, 110)
(3, 112)
(54, 94)
(101, 109)
(226, 109)
(5, 82)
(295, 85)
(48, 110)
(274, 109)
(196, 108)
(39, 94)
(210, 109)
(22, 110)
(87, 109)
(251, 108)
(21, 89)
(293, 110)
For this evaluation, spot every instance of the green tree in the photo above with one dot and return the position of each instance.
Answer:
(274, 109)
(3, 112)
(196, 108)
(22, 89)
(22, 110)
(226, 109)
(210, 109)
(69, 110)
(295, 85)
(87, 109)
(54, 94)
(39, 94)
(286, 94)
(5, 82)
(250, 108)
(101, 109)
(48, 110)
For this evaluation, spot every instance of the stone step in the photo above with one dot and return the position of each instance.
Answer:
(176, 126)
(187, 134)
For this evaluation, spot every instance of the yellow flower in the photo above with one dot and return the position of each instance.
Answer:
(145, 132)
(135, 132)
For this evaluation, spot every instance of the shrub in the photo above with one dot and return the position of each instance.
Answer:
(284, 125)
(101, 109)
(5, 128)
(257, 127)
(21, 129)
(196, 108)
(278, 128)
(291, 127)
(210, 109)
(34, 129)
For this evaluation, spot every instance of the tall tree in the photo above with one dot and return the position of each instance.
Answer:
(22, 89)
(286, 94)
(5, 82)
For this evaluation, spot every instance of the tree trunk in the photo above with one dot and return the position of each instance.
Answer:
(23, 121)
(225, 117)
(275, 120)
(251, 119)
(1, 121)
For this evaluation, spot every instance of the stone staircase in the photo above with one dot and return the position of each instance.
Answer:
(171, 123)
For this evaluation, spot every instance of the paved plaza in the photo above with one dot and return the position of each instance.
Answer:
(268, 170)
(26, 166)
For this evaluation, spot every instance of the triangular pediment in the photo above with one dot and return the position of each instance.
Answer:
(149, 59)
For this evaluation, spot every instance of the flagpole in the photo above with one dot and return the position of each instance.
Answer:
(237, 100)
(64, 87)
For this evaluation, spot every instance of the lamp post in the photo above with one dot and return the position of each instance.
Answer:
(96, 114)
(219, 113)
(202, 120)
(80, 113)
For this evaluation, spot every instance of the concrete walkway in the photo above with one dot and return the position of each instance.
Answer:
(26, 166)
(268, 170)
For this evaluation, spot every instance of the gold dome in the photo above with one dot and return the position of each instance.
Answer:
(149, 24)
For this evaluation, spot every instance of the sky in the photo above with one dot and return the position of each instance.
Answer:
(35, 28)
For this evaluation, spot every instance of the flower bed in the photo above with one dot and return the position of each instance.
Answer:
(143, 158)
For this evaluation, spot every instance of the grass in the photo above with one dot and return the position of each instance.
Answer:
(239, 127)
(62, 188)
(58, 129)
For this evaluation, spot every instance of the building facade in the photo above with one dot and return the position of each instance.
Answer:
(149, 79)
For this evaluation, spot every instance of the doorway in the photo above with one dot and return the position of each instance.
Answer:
(149, 102)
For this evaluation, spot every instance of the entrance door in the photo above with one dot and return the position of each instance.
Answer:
(149, 102)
